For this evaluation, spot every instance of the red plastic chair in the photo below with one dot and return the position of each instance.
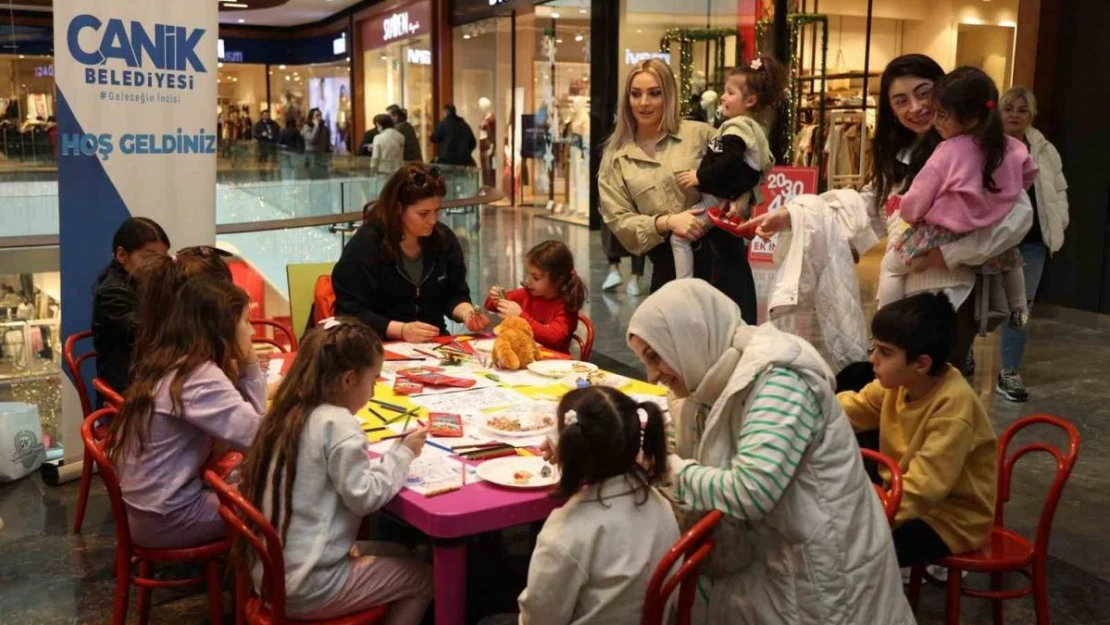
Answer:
(694, 548)
(129, 554)
(585, 344)
(111, 397)
(262, 324)
(1007, 551)
(245, 522)
(892, 498)
(73, 364)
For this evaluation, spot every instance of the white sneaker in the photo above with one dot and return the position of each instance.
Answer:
(633, 287)
(612, 281)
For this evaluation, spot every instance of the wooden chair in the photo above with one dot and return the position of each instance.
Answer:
(1006, 550)
(73, 366)
(892, 498)
(693, 548)
(128, 554)
(111, 397)
(290, 338)
(586, 343)
(245, 522)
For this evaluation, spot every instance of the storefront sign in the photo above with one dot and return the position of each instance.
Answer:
(339, 46)
(418, 57)
(135, 88)
(632, 58)
(44, 71)
(783, 185)
(413, 20)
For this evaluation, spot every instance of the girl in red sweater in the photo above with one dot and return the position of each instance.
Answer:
(551, 298)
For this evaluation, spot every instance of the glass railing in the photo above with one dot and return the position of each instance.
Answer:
(284, 243)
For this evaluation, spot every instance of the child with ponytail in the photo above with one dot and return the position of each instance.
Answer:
(309, 473)
(596, 554)
(551, 296)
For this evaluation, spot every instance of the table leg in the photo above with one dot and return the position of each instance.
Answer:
(449, 566)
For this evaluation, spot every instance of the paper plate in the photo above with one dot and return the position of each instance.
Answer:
(518, 472)
(482, 345)
(611, 380)
(561, 368)
(529, 415)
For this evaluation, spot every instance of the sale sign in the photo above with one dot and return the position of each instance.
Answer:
(783, 184)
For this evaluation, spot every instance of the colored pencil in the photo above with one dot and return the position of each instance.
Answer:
(389, 406)
(376, 414)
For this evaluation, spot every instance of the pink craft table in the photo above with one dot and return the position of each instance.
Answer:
(448, 519)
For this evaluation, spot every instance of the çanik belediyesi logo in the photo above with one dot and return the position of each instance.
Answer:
(164, 57)
(136, 63)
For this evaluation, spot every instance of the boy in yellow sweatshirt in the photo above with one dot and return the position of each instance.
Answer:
(932, 424)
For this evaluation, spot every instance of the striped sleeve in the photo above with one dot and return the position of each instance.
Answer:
(776, 431)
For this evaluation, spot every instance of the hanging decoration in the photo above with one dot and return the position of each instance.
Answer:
(686, 38)
(797, 24)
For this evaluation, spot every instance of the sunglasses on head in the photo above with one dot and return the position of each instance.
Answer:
(420, 179)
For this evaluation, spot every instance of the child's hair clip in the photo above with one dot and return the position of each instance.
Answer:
(330, 322)
(640, 412)
(757, 63)
(570, 417)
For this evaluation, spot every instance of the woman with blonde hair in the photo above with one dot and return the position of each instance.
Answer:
(1049, 195)
(641, 200)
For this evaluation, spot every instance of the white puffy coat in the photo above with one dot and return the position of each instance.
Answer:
(1051, 188)
(823, 555)
(817, 277)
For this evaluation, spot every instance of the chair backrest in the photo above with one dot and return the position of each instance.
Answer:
(94, 436)
(1064, 464)
(111, 397)
(301, 278)
(586, 343)
(246, 522)
(290, 338)
(73, 363)
(891, 499)
(693, 548)
(323, 300)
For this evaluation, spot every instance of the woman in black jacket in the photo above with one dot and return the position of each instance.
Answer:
(115, 309)
(403, 272)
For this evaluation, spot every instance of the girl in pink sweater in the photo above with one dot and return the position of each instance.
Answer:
(971, 181)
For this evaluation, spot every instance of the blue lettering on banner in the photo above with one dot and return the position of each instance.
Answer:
(76, 144)
(150, 57)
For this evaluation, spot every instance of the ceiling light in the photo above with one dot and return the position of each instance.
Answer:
(22, 56)
(554, 16)
(220, 65)
(579, 37)
(288, 78)
(242, 21)
(281, 67)
(583, 11)
(558, 41)
(236, 5)
(467, 36)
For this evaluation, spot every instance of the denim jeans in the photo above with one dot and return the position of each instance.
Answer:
(1013, 340)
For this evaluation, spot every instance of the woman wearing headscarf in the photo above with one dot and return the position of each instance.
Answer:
(762, 438)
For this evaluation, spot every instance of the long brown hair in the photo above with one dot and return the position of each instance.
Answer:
(201, 327)
(271, 462)
(160, 280)
(555, 259)
(412, 183)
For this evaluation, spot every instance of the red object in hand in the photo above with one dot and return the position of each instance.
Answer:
(719, 219)
(893, 203)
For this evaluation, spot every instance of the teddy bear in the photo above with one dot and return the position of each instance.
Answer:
(514, 348)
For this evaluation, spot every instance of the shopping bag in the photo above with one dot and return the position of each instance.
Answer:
(21, 449)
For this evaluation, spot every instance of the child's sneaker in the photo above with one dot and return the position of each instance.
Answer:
(1018, 319)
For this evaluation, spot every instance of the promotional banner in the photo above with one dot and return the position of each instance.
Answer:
(136, 109)
(783, 185)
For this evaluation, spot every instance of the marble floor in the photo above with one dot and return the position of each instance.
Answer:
(50, 576)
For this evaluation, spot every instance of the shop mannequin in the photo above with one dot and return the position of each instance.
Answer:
(579, 196)
(487, 139)
(709, 105)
